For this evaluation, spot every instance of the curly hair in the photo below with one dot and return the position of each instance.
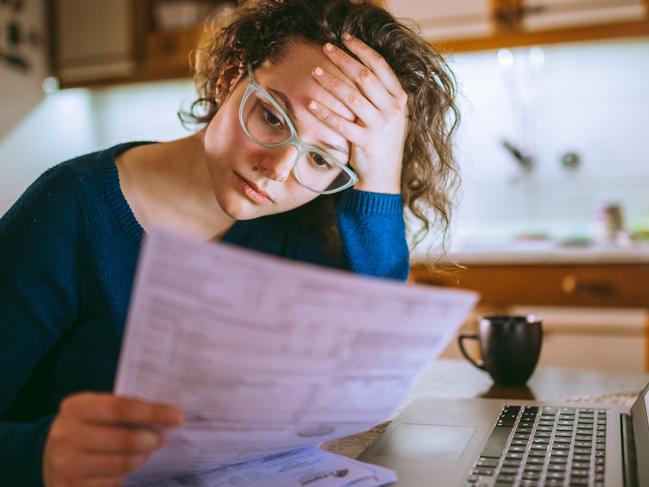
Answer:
(264, 30)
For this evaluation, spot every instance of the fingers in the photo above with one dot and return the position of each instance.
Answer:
(104, 439)
(350, 130)
(373, 60)
(97, 439)
(362, 75)
(335, 105)
(109, 465)
(349, 95)
(107, 408)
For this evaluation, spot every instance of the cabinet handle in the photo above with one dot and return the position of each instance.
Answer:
(571, 286)
(509, 15)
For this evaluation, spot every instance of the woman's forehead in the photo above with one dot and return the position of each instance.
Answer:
(297, 64)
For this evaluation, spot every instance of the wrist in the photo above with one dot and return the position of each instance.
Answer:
(378, 185)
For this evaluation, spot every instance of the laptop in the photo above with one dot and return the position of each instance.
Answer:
(502, 443)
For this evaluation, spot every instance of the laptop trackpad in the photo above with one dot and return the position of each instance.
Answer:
(426, 442)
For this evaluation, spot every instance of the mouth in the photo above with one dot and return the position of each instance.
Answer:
(252, 191)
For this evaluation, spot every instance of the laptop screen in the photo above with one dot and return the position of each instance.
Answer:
(640, 416)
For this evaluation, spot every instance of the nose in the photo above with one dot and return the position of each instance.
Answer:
(277, 163)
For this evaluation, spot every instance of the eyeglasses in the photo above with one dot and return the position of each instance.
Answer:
(266, 123)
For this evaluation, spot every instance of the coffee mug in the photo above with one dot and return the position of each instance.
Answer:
(509, 347)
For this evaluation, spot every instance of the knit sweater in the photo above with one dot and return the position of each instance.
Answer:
(68, 251)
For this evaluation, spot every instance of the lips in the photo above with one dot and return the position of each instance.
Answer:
(253, 192)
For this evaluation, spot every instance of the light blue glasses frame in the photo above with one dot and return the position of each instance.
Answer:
(301, 146)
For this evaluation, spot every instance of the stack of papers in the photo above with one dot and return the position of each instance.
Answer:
(268, 357)
(307, 467)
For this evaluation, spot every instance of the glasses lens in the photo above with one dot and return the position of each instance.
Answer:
(319, 172)
(263, 121)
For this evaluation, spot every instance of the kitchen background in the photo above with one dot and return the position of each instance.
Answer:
(576, 116)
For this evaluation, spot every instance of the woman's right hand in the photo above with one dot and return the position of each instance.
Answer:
(96, 439)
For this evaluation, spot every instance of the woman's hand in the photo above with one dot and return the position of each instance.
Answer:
(97, 439)
(380, 104)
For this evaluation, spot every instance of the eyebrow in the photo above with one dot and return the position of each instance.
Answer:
(291, 113)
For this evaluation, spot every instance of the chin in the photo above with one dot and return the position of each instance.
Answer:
(237, 207)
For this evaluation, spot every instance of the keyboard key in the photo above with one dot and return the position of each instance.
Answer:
(514, 456)
(535, 460)
(516, 448)
(487, 462)
(553, 482)
(558, 460)
(532, 475)
(484, 471)
(496, 442)
(506, 478)
(578, 473)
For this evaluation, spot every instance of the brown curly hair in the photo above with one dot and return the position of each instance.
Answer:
(263, 30)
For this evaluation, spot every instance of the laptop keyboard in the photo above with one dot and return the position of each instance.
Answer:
(534, 446)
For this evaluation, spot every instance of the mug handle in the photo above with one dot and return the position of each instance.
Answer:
(460, 342)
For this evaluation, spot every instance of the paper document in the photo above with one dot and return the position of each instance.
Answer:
(308, 467)
(266, 355)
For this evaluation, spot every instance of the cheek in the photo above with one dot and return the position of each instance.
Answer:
(295, 195)
(225, 144)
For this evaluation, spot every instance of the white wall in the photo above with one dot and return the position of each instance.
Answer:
(590, 98)
(73, 122)
(20, 91)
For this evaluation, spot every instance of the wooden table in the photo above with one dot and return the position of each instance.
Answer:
(459, 379)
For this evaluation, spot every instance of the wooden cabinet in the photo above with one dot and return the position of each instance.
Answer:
(96, 42)
(441, 19)
(553, 14)
(92, 40)
(512, 23)
(599, 285)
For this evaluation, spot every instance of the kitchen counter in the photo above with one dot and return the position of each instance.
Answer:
(543, 253)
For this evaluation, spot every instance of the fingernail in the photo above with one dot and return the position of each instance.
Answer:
(313, 105)
(318, 71)
(347, 36)
(329, 47)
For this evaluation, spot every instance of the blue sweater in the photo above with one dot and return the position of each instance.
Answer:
(68, 250)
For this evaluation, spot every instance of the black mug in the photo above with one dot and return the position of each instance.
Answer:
(509, 345)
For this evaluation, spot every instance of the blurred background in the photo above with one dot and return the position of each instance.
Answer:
(553, 215)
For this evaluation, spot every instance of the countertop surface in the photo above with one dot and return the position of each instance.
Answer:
(546, 253)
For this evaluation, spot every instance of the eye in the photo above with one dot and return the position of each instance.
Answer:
(271, 118)
(319, 161)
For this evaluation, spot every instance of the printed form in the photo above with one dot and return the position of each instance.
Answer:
(266, 355)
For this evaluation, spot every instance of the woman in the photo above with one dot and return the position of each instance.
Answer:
(321, 120)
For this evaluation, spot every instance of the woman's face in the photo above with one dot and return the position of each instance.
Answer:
(249, 180)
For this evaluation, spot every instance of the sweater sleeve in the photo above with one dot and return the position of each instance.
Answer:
(373, 234)
(38, 302)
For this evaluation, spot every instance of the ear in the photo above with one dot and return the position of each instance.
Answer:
(228, 80)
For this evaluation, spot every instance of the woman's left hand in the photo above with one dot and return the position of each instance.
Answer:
(380, 104)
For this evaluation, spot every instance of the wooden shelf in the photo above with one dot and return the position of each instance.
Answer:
(519, 38)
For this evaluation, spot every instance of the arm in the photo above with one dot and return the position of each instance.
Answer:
(38, 302)
(373, 234)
